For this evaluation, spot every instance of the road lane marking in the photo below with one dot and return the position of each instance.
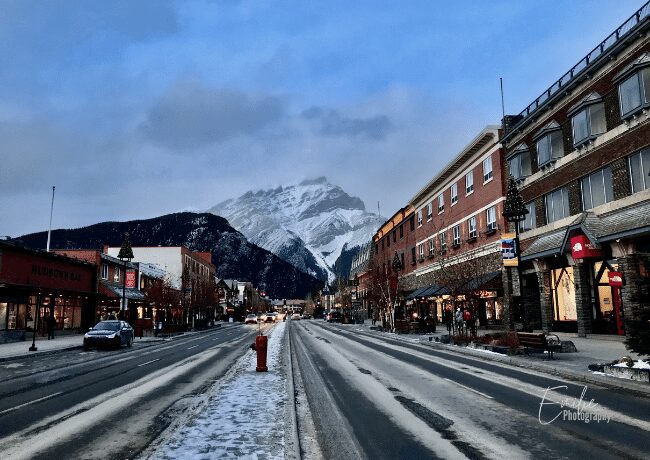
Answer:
(192, 347)
(30, 402)
(149, 362)
(468, 388)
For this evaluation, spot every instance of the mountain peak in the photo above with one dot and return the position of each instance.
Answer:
(318, 181)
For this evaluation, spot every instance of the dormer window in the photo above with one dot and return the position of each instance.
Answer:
(549, 143)
(519, 162)
(587, 119)
(634, 86)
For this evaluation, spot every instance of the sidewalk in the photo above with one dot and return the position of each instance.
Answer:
(590, 350)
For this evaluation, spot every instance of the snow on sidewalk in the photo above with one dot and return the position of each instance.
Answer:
(242, 416)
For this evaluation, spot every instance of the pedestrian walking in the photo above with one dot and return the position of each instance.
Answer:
(459, 320)
(448, 319)
(51, 326)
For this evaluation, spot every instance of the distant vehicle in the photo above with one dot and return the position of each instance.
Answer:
(262, 317)
(111, 334)
(306, 316)
(270, 318)
(295, 316)
(251, 319)
(334, 317)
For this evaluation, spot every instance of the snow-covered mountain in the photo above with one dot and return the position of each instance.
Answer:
(309, 224)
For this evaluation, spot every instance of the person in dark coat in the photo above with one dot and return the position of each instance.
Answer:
(51, 326)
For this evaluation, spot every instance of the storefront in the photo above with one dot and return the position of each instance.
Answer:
(35, 285)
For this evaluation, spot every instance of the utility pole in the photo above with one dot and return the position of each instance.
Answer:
(49, 231)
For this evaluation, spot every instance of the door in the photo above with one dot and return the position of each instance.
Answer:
(618, 310)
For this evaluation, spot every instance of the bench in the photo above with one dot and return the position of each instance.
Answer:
(550, 342)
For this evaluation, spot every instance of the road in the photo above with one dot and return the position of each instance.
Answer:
(370, 395)
(109, 404)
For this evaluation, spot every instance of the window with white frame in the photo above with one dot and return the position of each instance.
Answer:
(588, 122)
(634, 92)
(456, 235)
(519, 163)
(441, 203)
(454, 193)
(487, 169)
(491, 218)
(639, 164)
(116, 274)
(104, 271)
(550, 145)
(597, 188)
(471, 227)
(421, 250)
(419, 217)
(530, 221)
(429, 211)
(557, 205)
(469, 182)
(442, 237)
(432, 247)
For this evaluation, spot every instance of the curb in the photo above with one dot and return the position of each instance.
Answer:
(296, 450)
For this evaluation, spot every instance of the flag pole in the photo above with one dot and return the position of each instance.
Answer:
(49, 231)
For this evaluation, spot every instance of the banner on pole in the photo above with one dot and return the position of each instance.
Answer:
(509, 249)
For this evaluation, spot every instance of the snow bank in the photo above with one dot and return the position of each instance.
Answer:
(637, 365)
(243, 416)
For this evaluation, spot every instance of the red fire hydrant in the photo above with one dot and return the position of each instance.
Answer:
(260, 345)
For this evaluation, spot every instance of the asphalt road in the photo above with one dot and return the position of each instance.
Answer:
(109, 404)
(372, 396)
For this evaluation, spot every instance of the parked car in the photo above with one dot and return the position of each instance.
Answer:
(251, 319)
(295, 316)
(111, 334)
(334, 317)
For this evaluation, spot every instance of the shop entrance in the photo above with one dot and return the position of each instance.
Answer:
(609, 309)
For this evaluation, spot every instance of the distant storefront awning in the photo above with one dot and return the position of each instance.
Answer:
(487, 281)
(114, 290)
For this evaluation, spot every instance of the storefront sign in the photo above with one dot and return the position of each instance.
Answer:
(616, 279)
(130, 278)
(509, 249)
(582, 248)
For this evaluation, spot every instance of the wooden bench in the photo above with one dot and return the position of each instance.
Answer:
(550, 342)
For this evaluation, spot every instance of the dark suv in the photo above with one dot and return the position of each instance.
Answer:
(334, 317)
(109, 334)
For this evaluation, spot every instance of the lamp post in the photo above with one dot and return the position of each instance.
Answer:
(125, 254)
(515, 212)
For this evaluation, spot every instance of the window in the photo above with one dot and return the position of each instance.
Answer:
(441, 203)
(443, 241)
(487, 169)
(394, 236)
(413, 255)
(421, 250)
(588, 123)
(634, 92)
(469, 182)
(530, 222)
(639, 164)
(429, 211)
(412, 223)
(388, 241)
(456, 234)
(382, 244)
(401, 258)
(491, 218)
(519, 164)
(401, 232)
(116, 275)
(597, 188)
(471, 227)
(432, 246)
(419, 217)
(104, 271)
(557, 205)
(550, 147)
(454, 193)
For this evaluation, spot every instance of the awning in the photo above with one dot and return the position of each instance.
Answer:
(417, 293)
(130, 293)
(483, 281)
(428, 291)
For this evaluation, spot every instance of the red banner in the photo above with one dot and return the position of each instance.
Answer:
(616, 279)
(130, 278)
(582, 248)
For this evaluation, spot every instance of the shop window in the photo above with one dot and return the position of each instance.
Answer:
(564, 294)
(639, 164)
(634, 92)
(530, 222)
(441, 203)
(487, 169)
(557, 205)
(469, 182)
(419, 218)
(597, 188)
(454, 193)
(3, 315)
(456, 235)
(588, 122)
(550, 147)
(471, 227)
(491, 219)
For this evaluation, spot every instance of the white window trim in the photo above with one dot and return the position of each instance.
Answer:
(491, 171)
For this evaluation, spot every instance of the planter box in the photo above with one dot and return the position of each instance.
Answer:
(638, 375)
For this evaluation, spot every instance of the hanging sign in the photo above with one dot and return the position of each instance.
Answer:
(616, 279)
(582, 248)
(509, 249)
(130, 278)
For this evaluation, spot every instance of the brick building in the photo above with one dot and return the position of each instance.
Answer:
(581, 155)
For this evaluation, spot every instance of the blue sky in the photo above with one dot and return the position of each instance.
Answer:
(138, 108)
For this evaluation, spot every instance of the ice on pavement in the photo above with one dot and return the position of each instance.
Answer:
(242, 416)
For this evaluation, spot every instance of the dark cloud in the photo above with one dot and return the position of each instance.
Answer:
(330, 122)
(192, 115)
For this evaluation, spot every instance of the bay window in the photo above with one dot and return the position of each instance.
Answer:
(587, 119)
(634, 86)
(530, 221)
(550, 145)
(557, 205)
(519, 163)
(597, 188)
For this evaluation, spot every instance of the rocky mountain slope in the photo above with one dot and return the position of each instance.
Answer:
(309, 224)
(232, 254)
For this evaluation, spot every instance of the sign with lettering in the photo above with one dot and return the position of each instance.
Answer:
(616, 279)
(509, 249)
(130, 278)
(583, 248)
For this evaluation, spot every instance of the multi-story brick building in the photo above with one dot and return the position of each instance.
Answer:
(361, 275)
(458, 221)
(581, 155)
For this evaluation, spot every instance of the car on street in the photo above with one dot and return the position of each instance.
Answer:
(306, 316)
(270, 318)
(295, 316)
(109, 334)
(334, 317)
(251, 319)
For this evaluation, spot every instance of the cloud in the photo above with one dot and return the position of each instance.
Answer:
(191, 115)
(331, 123)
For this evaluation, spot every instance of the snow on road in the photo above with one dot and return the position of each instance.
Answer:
(242, 416)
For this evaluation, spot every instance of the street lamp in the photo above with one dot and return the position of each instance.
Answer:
(125, 254)
(515, 212)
